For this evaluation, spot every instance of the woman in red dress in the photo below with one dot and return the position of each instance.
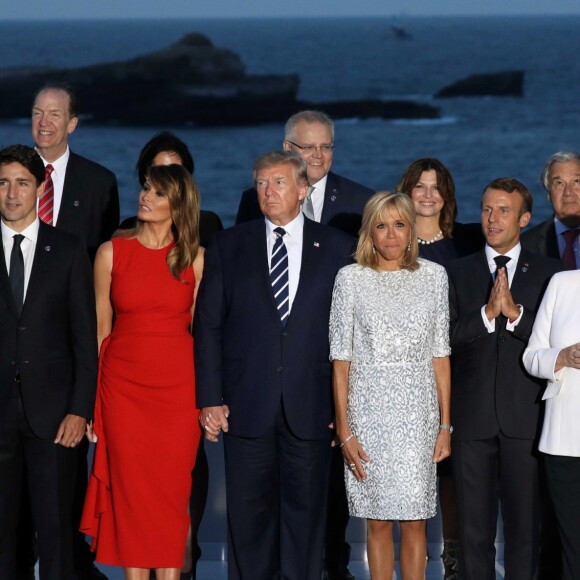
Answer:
(146, 420)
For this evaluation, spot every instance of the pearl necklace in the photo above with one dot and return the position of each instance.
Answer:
(427, 242)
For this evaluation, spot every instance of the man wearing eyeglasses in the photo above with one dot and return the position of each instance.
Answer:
(332, 199)
(557, 237)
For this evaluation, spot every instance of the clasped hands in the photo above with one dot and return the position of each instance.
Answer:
(568, 357)
(213, 420)
(500, 300)
(70, 431)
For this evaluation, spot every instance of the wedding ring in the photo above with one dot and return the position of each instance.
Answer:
(352, 466)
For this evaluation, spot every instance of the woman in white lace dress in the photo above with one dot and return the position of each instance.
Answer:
(389, 335)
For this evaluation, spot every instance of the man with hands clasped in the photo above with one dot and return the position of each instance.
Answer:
(495, 403)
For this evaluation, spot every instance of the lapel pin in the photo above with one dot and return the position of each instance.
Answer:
(316, 245)
(333, 198)
(525, 267)
(47, 248)
(76, 203)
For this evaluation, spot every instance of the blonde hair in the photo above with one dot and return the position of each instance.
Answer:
(375, 209)
(177, 184)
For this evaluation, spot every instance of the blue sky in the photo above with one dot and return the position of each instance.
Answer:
(92, 9)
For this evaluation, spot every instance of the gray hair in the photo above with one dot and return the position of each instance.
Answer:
(308, 117)
(273, 158)
(559, 157)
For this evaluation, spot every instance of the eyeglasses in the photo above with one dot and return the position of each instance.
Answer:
(328, 148)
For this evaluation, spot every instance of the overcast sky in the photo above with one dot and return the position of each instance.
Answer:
(91, 9)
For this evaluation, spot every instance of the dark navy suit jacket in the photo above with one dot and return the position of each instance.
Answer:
(491, 388)
(541, 239)
(90, 202)
(53, 343)
(344, 201)
(244, 357)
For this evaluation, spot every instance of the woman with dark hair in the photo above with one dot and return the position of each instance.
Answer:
(146, 423)
(389, 343)
(167, 149)
(441, 239)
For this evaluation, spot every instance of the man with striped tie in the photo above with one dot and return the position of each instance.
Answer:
(263, 374)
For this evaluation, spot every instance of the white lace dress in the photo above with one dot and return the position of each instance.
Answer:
(390, 325)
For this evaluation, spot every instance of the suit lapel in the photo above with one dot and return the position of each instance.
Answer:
(309, 266)
(40, 264)
(67, 204)
(5, 289)
(331, 195)
(258, 261)
(521, 275)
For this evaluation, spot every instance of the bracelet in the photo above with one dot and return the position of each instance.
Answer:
(446, 427)
(346, 440)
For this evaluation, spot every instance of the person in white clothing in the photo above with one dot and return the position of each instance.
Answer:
(553, 353)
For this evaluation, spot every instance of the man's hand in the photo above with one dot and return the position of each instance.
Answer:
(71, 431)
(493, 306)
(213, 420)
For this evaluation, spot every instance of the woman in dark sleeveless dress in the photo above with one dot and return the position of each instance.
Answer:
(441, 239)
(146, 419)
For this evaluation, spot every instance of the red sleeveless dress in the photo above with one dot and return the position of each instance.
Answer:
(145, 416)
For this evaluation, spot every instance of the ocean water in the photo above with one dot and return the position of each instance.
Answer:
(479, 139)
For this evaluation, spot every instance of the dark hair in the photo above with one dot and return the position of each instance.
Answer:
(160, 143)
(73, 101)
(445, 185)
(177, 184)
(282, 157)
(509, 185)
(27, 157)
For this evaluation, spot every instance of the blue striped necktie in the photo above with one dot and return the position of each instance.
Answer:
(279, 275)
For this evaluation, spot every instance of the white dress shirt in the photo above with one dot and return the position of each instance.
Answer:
(560, 229)
(317, 197)
(27, 246)
(58, 176)
(557, 325)
(511, 266)
(293, 241)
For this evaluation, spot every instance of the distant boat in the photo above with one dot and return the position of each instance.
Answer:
(400, 32)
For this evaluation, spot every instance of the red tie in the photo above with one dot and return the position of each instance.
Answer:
(568, 257)
(46, 202)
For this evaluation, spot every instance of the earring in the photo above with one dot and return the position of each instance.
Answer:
(409, 247)
(374, 249)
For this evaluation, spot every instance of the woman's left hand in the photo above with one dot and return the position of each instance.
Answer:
(442, 446)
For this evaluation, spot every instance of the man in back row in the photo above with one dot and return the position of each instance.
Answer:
(332, 199)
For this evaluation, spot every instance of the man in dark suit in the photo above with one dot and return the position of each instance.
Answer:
(338, 202)
(86, 198)
(263, 375)
(557, 237)
(332, 199)
(494, 295)
(85, 202)
(48, 366)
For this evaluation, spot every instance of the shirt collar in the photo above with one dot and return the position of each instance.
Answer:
(30, 232)
(514, 254)
(59, 165)
(320, 185)
(293, 228)
(560, 227)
